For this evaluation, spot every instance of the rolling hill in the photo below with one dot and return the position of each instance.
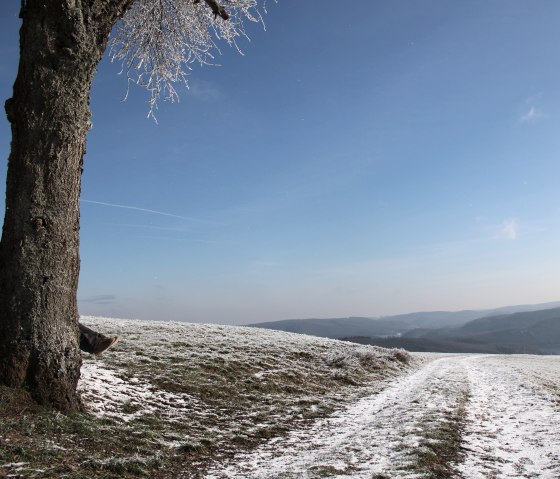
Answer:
(172, 399)
(412, 325)
(532, 332)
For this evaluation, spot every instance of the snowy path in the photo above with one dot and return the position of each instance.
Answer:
(510, 428)
(513, 427)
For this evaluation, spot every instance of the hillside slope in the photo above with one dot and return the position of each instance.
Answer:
(171, 398)
(534, 332)
(490, 324)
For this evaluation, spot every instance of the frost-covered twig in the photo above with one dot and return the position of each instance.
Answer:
(158, 40)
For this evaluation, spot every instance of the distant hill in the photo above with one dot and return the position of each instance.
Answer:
(534, 332)
(410, 325)
(521, 320)
(336, 327)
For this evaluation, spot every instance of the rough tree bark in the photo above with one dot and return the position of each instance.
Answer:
(61, 43)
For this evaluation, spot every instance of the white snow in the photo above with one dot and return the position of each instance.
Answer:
(11, 465)
(105, 391)
(512, 431)
(505, 408)
(513, 422)
(374, 436)
(193, 387)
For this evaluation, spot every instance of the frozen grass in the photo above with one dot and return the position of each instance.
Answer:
(409, 429)
(542, 370)
(468, 417)
(439, 450)
(171, 399)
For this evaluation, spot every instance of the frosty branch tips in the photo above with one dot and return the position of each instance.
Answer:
(158, 40)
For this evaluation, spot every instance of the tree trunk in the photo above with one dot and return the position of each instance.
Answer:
(61, 43)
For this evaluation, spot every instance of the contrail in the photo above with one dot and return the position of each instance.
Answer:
(145, 210)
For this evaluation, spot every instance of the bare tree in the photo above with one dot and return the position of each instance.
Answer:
(61, 44)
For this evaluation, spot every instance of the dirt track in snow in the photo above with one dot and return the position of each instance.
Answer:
(500, 415)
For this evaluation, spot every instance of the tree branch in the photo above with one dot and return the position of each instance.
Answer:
(217, 9)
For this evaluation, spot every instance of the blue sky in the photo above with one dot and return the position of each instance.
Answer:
(386, 157)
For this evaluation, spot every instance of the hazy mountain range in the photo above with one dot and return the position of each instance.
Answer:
(511, 329)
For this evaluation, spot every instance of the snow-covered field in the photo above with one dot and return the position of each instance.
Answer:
(513, 422)
(175, 400)
(209, 391)
(154, 360)
(507, 419)
(490, 416)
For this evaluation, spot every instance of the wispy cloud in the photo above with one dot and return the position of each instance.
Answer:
(144, 210)
(205, 90)
(181, 229)
(99, 299)
(180, 240)
(509, 229)
(532, 115)
(531, 111)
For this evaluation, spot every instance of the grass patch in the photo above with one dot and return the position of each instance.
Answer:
(326, 471)
(172, 398)
(440, 449)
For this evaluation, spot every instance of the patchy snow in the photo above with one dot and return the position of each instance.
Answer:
(12, 465)
(513, 426)
(112, 392)
(374, 436)
(202, 392)
(110, 387)
(223, 385)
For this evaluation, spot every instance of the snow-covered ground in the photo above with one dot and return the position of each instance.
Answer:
(159, 368)
(194, 401)
(513, 422)
(273, 405)
(507, 415)
(193, 393)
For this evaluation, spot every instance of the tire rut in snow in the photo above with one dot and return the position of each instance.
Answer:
(513, 425)
(387, 435)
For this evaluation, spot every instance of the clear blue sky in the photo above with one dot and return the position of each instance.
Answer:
(385, 157)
